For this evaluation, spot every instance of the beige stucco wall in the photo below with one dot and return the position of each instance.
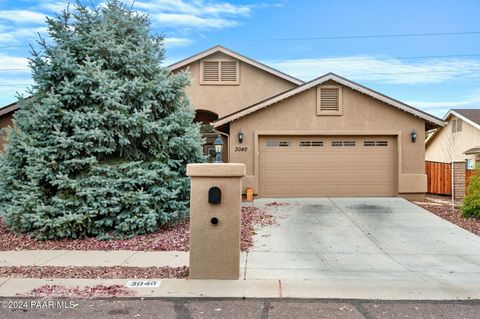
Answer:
(5, 121)
(255, 85)
(446, 145)
(362, 115)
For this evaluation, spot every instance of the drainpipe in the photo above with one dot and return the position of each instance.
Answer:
(228, 140)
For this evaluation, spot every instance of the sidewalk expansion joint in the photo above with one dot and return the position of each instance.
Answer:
(46, 262)
(129, 257)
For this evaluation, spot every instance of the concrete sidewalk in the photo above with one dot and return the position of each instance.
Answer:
(268, 288)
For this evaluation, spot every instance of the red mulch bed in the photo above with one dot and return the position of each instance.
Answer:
(454, 216)
(77, 292)
(173, 238)
(94, 272)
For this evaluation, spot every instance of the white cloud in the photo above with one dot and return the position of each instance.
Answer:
(20, 35)
(176, 42)
(23, 16)
(12, 62)
(470, 101)
(188, 20)
(54, 6)
(196, 7)
(381, 69)
(194, 14)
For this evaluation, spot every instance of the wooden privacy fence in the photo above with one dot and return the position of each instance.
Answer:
(468, 173)
(439, 178)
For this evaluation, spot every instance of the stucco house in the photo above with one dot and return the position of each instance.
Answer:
(327, 137)
(458, 142)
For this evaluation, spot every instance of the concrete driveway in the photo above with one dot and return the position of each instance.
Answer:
(388, 241)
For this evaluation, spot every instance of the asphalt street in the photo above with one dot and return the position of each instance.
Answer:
(185, 308)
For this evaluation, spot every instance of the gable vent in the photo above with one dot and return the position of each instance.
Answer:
(229, 71)
(211, 72)
(220, 72)
(329, 99)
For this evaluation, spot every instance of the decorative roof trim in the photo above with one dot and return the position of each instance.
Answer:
(460, 116)
(237, 56)
(329, 76)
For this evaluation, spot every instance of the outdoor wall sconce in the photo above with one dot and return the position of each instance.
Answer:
(414, 136)
(218, 143)
(240, 137)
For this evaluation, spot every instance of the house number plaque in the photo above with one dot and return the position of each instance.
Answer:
(241, 148)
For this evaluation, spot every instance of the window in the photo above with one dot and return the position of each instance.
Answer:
(278, 143)
(220, 72)
(456, 125)
(469, 163)
(329, 100)
(375, 143)
(343, 143)
(310, 144)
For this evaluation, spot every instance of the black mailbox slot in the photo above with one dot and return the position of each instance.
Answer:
(214, 195)
(214, 220)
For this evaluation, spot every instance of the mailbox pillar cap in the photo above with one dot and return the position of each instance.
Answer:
(216, 170)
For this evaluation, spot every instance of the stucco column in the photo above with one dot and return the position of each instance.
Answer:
(215, 227)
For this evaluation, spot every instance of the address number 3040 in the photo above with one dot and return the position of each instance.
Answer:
(241, 149)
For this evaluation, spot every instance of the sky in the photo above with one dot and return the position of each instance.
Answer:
(422, 52)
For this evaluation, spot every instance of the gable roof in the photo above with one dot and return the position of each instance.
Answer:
(471, 116)
(238, 56)
(7, 109)
(435, 121)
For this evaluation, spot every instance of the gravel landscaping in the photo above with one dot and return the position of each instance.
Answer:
(94, 272)
(76, 292)
(173, 238)
(441, 206)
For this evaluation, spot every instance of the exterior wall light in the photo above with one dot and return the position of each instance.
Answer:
(240, 137)
(414, 136)
(218, 143)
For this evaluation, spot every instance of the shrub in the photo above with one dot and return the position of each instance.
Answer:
(471, 202)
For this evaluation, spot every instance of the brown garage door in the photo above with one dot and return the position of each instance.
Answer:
(310, 166)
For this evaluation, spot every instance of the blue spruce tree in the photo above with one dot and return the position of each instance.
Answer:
(102, 144)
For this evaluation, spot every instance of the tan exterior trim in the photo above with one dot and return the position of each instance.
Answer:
(237, 56)
(327, 77)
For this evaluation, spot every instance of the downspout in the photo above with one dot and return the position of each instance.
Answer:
(228, 140)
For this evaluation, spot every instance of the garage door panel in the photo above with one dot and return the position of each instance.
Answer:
(304, 170)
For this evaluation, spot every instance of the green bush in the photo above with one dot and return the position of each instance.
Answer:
(471, 202)
(102, 144)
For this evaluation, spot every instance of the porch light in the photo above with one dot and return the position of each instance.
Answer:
(414, 136)
(218, 143)
(240, 137)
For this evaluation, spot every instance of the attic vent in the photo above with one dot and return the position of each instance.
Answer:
(229, 71)
(210, 71)
(329, 100)
(220, 72)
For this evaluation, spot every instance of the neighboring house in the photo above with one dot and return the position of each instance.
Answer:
(6, 118)
(327, 137)
(457, 142)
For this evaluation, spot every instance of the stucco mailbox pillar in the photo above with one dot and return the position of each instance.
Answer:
(215, 204)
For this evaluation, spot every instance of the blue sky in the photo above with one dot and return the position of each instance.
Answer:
(305, 38)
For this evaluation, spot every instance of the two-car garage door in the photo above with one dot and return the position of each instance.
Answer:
(310, 166)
